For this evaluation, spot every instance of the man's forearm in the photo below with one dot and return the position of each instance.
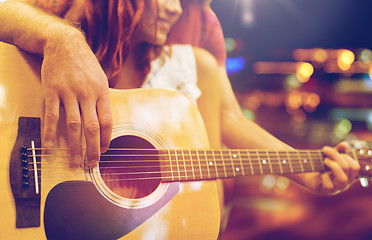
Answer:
(30, 28)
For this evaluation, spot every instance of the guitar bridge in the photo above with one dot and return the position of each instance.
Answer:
(24, 173)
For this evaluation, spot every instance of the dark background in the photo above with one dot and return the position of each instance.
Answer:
(297, 24)
(269, 207)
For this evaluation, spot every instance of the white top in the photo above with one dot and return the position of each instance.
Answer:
(175, 69)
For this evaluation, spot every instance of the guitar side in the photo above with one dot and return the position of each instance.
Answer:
(183, 217)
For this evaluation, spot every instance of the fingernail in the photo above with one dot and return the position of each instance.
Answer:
(103, 150)
(93, 163)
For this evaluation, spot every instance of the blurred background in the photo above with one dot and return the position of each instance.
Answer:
(302, 70)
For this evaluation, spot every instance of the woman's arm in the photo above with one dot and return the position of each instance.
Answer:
(71, 76)
(239, 132)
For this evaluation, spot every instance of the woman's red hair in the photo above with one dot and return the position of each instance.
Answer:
(109, 24)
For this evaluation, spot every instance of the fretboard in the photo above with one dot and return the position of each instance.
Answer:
(192, 165)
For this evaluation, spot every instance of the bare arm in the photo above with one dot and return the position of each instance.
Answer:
(71, 76)
(239, 132)
(27, 27)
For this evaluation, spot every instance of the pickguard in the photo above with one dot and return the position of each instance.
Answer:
(77, 210)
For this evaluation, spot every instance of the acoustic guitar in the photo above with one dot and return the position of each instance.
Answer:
(156, 181)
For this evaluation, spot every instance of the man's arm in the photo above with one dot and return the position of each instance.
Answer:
(71, 75)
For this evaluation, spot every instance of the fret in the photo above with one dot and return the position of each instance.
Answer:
(189, 164)
(307, 161)
(239, 169)
(259, 161)
(279, 162)
(254, 166)
(286, 168)
(178, 165)
(170, 164)
(311, 162)
(196, 168)
(300, 161)
(223, 164)
(241, 162)
(289, 162)
(296, 163)
(232, 164)
(215, 166)
(203, 164)
(264, 162)
(200, 168)
(192, 164)
(321, 162)
(184, 165)
(269, 161)
(207, 167)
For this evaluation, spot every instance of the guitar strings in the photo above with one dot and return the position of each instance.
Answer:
(198, 153)
(206, 167)
(199, 150)
(192, 162)
(221, 152)
(183, 175)
(207, 157)
(195, 169)
(225, 158)
(187, 173)
(162, 175)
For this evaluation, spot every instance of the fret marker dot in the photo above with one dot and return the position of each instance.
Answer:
(234, 155)
(284, 161)
(237, 169)
(211, 163)
(305, 160)
(264, 161)
(367, 168)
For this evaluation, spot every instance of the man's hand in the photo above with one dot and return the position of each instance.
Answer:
(72, 77)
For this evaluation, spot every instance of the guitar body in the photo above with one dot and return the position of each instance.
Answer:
(76, 203)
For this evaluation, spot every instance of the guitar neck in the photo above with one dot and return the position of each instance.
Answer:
(192, 165)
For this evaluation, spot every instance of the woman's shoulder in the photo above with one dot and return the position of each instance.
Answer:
(204, 58)
(207, 69)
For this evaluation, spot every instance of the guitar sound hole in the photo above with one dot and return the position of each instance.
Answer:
(130, 168)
